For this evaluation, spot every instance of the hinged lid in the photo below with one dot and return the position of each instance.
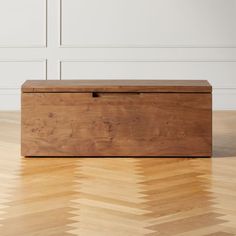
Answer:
(168, 86)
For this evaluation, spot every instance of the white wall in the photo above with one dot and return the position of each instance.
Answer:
(118, 39)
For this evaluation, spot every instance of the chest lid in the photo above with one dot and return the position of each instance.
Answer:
(164, 86)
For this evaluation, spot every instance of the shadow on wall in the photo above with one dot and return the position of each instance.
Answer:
(224, 134)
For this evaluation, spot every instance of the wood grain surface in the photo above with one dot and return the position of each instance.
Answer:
(116, 86)
(116, 124)
(118, 196)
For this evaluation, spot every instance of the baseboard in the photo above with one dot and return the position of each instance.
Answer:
(10, 100)
(224, 99)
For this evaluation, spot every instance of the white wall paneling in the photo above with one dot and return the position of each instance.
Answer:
(23, 23)
(224, 99)
(152, 23)
(10, 99)
(118, 39)
(12, 75)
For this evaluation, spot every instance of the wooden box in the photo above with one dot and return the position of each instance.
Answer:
(116, 118)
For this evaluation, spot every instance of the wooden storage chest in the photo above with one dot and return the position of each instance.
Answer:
(116, 118)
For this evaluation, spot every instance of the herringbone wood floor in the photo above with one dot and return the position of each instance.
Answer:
(118, 196)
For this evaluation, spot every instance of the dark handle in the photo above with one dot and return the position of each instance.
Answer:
(103, 94)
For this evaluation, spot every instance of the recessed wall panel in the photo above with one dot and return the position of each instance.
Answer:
(148, 23)
(23, 23)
